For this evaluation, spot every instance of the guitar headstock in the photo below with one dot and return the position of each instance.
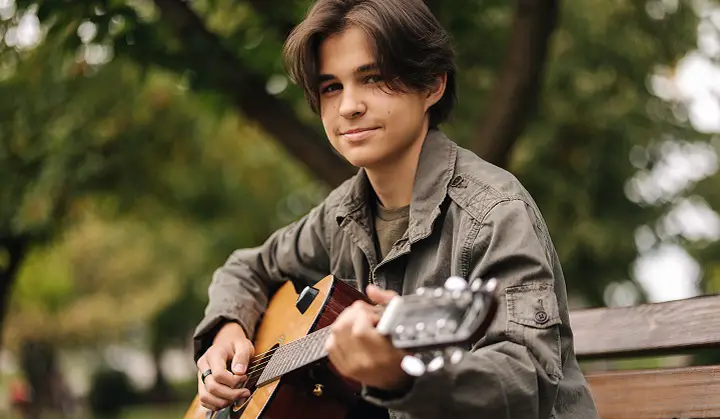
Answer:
(434, 322)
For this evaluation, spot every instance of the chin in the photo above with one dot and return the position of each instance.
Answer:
(361, 159)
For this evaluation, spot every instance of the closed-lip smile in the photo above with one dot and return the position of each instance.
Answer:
(357, 130)
(358, 135)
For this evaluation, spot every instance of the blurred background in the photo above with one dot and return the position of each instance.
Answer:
(142, 141)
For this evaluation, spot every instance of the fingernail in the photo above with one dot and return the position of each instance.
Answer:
(245, 393)
(239, 368)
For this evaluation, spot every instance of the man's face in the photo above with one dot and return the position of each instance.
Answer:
(368, 124)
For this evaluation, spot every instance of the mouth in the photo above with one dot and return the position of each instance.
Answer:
(358, 134)
(357, 130)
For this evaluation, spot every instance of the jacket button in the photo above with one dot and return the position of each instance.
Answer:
(541, 317)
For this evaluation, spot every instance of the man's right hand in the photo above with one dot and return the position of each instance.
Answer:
(220, 388)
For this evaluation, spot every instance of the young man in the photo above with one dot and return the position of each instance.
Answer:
(381, 76)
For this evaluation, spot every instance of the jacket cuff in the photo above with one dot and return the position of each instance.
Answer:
(421, 399)
(209, 326)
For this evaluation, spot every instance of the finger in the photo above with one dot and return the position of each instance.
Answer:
(208, 400)
(202, 364)
(243, 352)
(363, 327)
(220, 394)
(342, 325)
(336, 355)
(226, 394)
(367, 313)
(379, 295)
(220, 374)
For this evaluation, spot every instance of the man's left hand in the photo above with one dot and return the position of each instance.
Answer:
(359, 352)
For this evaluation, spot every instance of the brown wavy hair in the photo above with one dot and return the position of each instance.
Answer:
(410, 46)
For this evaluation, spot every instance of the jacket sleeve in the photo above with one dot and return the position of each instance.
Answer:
(241, 288)
(513, 372)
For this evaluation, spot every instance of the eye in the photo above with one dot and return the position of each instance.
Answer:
(375, 78)
(331, 88)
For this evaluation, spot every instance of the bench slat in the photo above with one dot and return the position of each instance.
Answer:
(649, 329)
(658, 394)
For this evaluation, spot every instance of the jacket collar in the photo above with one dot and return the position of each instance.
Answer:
(436, 167)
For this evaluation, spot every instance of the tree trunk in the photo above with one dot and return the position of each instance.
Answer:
(516, 92)
(161, 392)
(16, 248)
(39, 363)
(222, 71)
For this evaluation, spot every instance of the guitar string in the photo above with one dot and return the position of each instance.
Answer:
(257, 367)
(263, 355)
(270, 351)
(259, 361)
(257, 371)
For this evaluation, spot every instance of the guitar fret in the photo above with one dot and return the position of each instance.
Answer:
(295, 354)
(307, 353)
(300, 357)
(274, 362)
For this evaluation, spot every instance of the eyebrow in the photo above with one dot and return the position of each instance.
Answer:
(365, 68)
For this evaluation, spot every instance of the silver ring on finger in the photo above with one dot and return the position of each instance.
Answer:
(205, 374)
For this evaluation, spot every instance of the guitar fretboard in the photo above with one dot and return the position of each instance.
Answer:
(294, 355)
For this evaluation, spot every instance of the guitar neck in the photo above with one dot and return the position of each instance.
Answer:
(434, 319)
(294, 355)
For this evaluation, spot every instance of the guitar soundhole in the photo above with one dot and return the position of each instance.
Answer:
(255, 369)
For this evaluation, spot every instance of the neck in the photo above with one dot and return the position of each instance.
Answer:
(297, 354)
(393, 182)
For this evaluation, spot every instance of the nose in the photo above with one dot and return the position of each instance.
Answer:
(352, 105)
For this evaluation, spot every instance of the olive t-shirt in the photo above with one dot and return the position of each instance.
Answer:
(390, 226)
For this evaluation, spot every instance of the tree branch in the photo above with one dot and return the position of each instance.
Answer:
(222, 71)
(516, 92)
(273, 15)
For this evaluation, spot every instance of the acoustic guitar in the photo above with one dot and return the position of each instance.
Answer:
(290, 375)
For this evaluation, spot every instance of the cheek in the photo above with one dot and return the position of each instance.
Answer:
(326, 117)
(405, 107)
(403, 114)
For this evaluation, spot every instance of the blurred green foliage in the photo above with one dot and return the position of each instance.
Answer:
(126, 163)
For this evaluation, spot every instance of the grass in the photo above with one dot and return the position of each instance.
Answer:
(172, 411)
(155, 412)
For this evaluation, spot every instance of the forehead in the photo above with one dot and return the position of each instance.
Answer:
(342, 53)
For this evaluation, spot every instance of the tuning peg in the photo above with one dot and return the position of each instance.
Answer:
(491, 284)
(455, 283)
(488, 286)
(413, 365)
(436, 363)
(455, 355)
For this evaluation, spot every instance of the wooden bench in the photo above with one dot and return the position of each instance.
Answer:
(670, 328)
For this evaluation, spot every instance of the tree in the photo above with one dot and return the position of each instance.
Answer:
(175, 116)
(222, 69)
(571, 150)
(149, 208)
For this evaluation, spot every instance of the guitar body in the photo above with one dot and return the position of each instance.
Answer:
(314, 391)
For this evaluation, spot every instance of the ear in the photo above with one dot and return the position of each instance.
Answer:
(437, 91)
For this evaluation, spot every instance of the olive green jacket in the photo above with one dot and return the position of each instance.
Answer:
(464, 212)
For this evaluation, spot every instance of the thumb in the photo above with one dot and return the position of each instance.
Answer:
(241, 358)
(379, 295)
